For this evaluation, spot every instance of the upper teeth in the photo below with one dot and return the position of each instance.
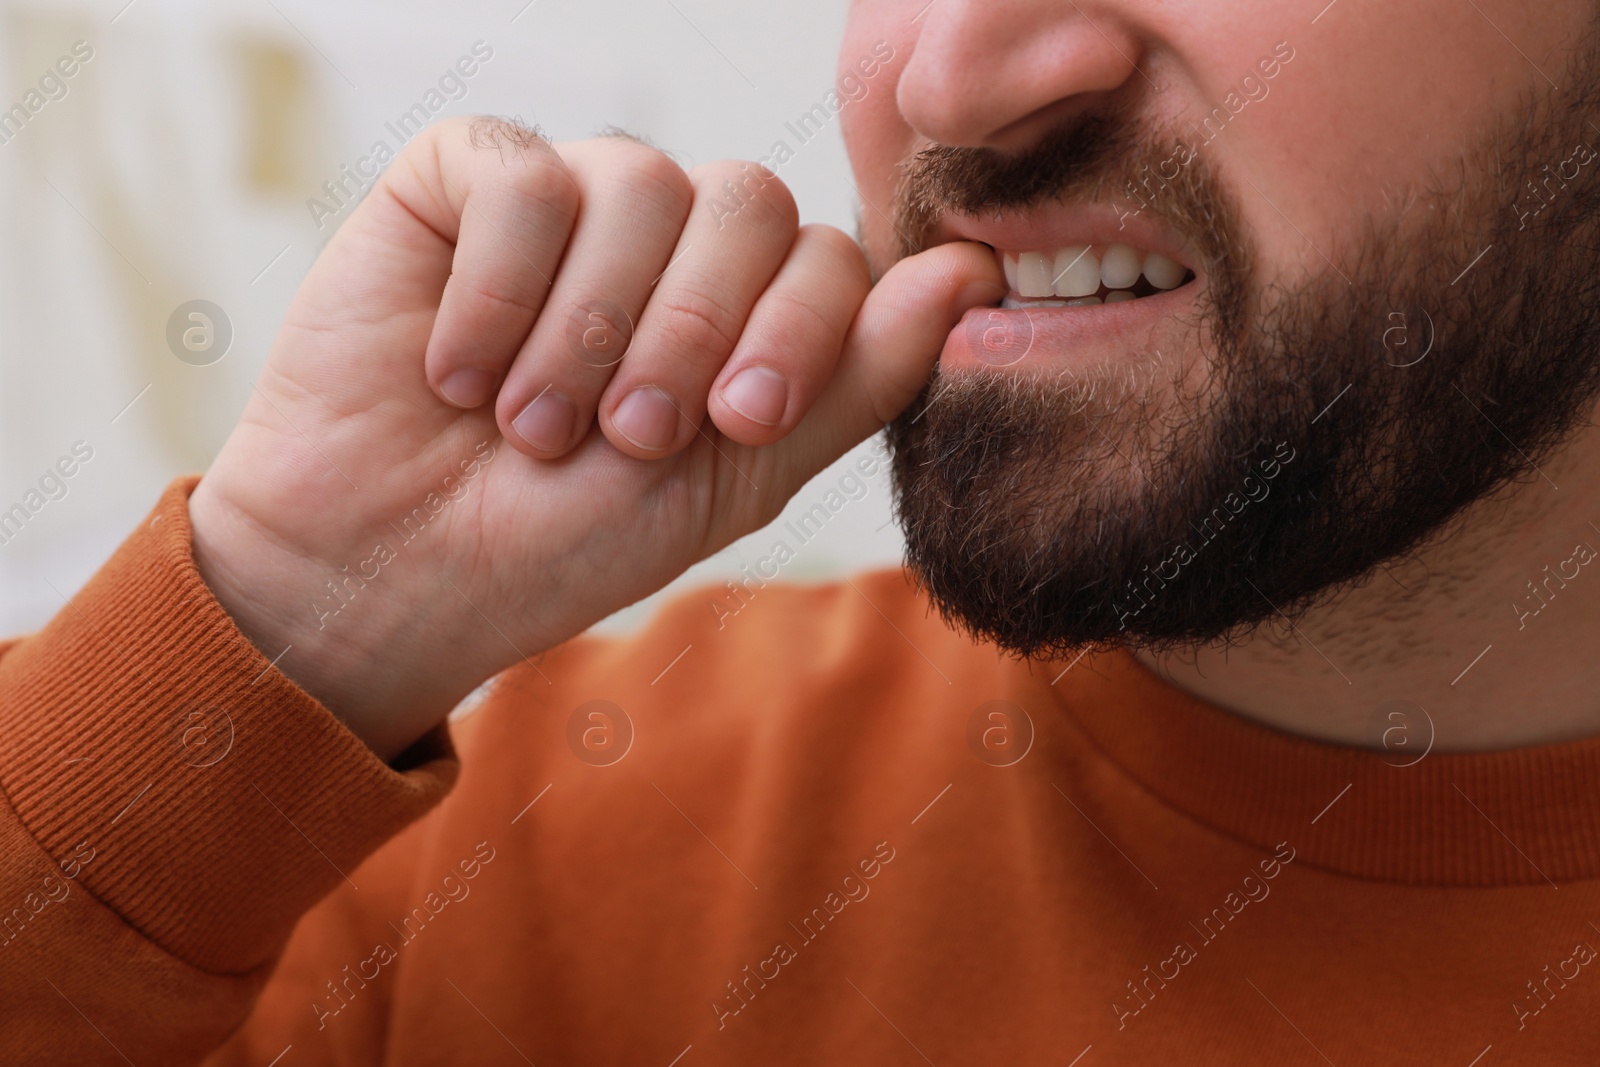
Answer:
(1080, 270)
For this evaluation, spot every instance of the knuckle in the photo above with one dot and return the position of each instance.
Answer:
(515, 161)
(653, 173)
(836, 259)
(505, 135)
(800, 323)
(486, 290)
(542, 179)
(843, 254)
(735, 187)
(694, 322)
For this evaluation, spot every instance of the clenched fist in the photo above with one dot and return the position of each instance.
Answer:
(526, 385)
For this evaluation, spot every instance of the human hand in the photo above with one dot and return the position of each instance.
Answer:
(405, 540)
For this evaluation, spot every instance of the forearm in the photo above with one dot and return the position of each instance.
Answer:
(182, 798)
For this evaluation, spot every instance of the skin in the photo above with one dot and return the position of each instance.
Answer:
(446, 305)
(475, 253)
(1354, 127)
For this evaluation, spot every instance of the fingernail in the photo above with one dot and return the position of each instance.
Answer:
(468, 387)
(648, 418)
(546, 424)
(759, 394)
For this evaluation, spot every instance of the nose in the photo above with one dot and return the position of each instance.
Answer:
(1001, 73)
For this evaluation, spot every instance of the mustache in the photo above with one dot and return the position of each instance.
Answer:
(1074, 160)
(1111, 156)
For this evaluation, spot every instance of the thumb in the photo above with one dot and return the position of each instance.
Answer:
(890, 351)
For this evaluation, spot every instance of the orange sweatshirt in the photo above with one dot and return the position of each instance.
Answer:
(820, 829)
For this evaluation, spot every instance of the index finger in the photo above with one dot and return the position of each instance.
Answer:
(508, 202)
(890, 352)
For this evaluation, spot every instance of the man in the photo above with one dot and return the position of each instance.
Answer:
(1237, 706)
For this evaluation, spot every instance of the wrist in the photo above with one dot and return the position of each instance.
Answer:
(367, 667)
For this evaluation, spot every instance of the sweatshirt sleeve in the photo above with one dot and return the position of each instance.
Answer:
(170, 805)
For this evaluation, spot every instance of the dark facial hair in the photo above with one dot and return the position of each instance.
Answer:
(1141, 506)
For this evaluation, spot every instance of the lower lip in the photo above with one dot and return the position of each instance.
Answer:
(1059, 338)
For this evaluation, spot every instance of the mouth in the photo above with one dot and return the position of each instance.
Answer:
(1087, 288)
(1085, 275)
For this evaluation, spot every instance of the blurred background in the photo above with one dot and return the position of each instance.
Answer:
(183, 160)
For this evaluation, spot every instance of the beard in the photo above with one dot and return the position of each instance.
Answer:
(1332, 424)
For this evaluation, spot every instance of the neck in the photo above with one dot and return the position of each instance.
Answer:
(1485, 639)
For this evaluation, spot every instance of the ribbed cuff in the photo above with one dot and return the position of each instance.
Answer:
(191, 786)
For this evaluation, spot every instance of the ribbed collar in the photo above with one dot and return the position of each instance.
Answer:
(1525, 816)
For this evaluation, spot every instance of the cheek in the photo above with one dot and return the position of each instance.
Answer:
(877, 140)
(876, 137)
(1366, 114)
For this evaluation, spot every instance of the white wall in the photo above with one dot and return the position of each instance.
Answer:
(179, 164)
